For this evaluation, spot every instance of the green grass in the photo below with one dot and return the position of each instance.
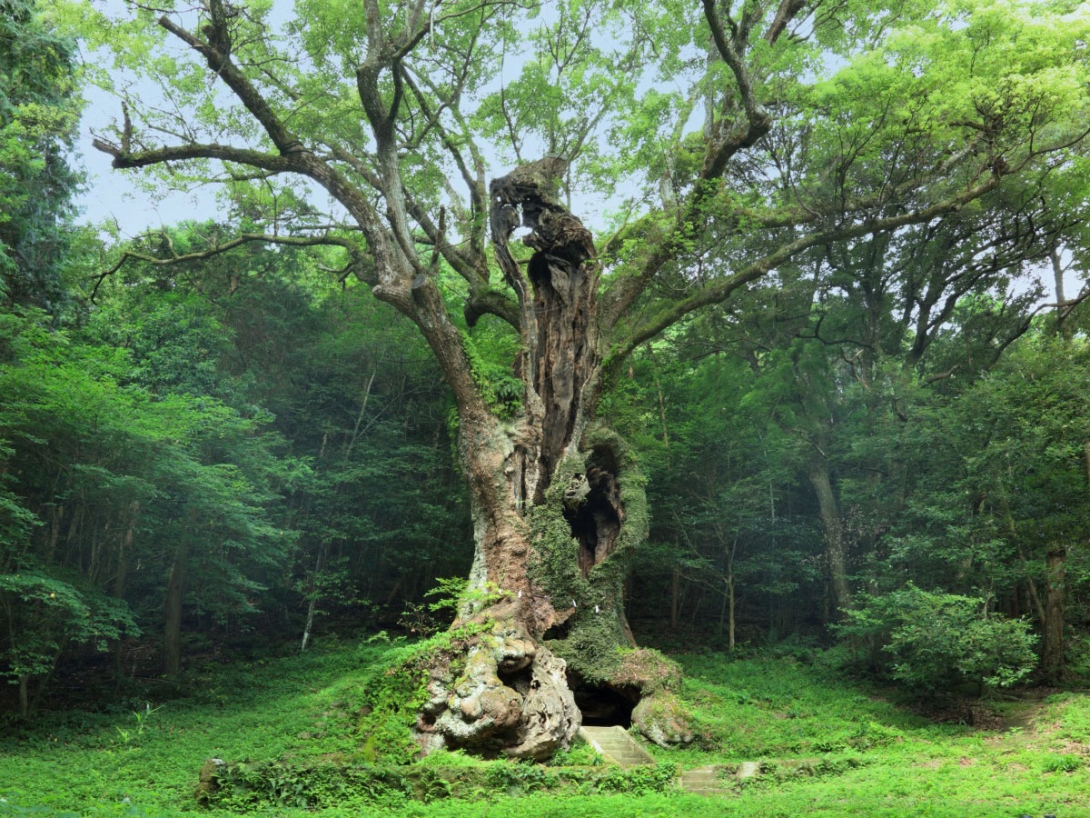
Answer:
(751, 709)
(827, 747)
(298, 707)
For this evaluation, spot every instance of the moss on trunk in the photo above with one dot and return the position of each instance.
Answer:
(558, 506)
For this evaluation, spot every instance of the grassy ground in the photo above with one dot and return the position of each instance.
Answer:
(861, 754)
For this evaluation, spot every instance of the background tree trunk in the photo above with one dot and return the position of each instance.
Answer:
(172, 627)
(675, 583)
(1052, 653)
(833, 529)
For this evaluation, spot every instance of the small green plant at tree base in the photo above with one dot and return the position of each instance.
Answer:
(578, 755)
(420, 620)
(453, 594)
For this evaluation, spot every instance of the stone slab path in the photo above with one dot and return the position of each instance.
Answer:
(711, 781)
(616, 745)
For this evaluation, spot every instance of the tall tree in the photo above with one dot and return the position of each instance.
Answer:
(821, 124)
(39, 111)
(1012, 504)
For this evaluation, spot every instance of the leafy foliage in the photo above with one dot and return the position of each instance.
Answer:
(39, 112)
(937, 641)
(46, 614)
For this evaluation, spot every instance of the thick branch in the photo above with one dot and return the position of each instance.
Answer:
(784, 15)
(627, 289)
(719, 151)
(758, 120)
(358, 263)
(305, 164)
(217, 54)
(392, 248)
(181, 153)
(722, 290)
(466, 265)
(489, 301)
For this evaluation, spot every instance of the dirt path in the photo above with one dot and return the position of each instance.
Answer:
(1022, 713)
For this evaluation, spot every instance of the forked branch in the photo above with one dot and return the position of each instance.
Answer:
(721, 290)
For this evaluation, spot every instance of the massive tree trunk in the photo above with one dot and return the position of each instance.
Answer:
(557, 503)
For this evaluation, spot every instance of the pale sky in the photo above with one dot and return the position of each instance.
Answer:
(114, 195)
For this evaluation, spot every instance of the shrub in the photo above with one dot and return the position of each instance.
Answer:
(936, 640)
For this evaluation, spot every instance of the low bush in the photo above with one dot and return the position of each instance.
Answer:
(934, 642)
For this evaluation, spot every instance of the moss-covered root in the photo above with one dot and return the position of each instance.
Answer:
(660, 717)
(511, 698)
(663, 720)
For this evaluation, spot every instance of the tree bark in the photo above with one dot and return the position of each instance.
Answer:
(833, 529)
(57, 515)
(172, 629)
(675, 583)
(312, 603)
(557, 503)
(121, 575)
(1052, 654)
(730, 603)
(24, 695)
(123, 551)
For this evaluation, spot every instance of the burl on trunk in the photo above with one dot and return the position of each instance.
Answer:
(541, 643)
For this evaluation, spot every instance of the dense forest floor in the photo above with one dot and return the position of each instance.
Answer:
(826, 746)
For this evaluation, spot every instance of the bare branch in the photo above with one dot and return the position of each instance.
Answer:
(358, 263)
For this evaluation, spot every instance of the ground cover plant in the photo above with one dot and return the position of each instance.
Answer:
(528, 188)
(825, 745)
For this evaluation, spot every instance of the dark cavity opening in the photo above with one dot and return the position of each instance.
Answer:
(559, 631)
(521, 680)
(592, 507)
(602, 706)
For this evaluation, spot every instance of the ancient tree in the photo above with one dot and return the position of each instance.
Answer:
(738, 137)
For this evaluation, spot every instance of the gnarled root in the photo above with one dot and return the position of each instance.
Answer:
(512, 698)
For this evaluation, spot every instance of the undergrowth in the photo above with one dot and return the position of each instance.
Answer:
(290, 728)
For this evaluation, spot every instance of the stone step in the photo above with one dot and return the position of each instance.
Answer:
(747, 769)
(707, 780)
(616, 745)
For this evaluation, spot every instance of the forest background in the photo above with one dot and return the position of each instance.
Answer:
(881, 443)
